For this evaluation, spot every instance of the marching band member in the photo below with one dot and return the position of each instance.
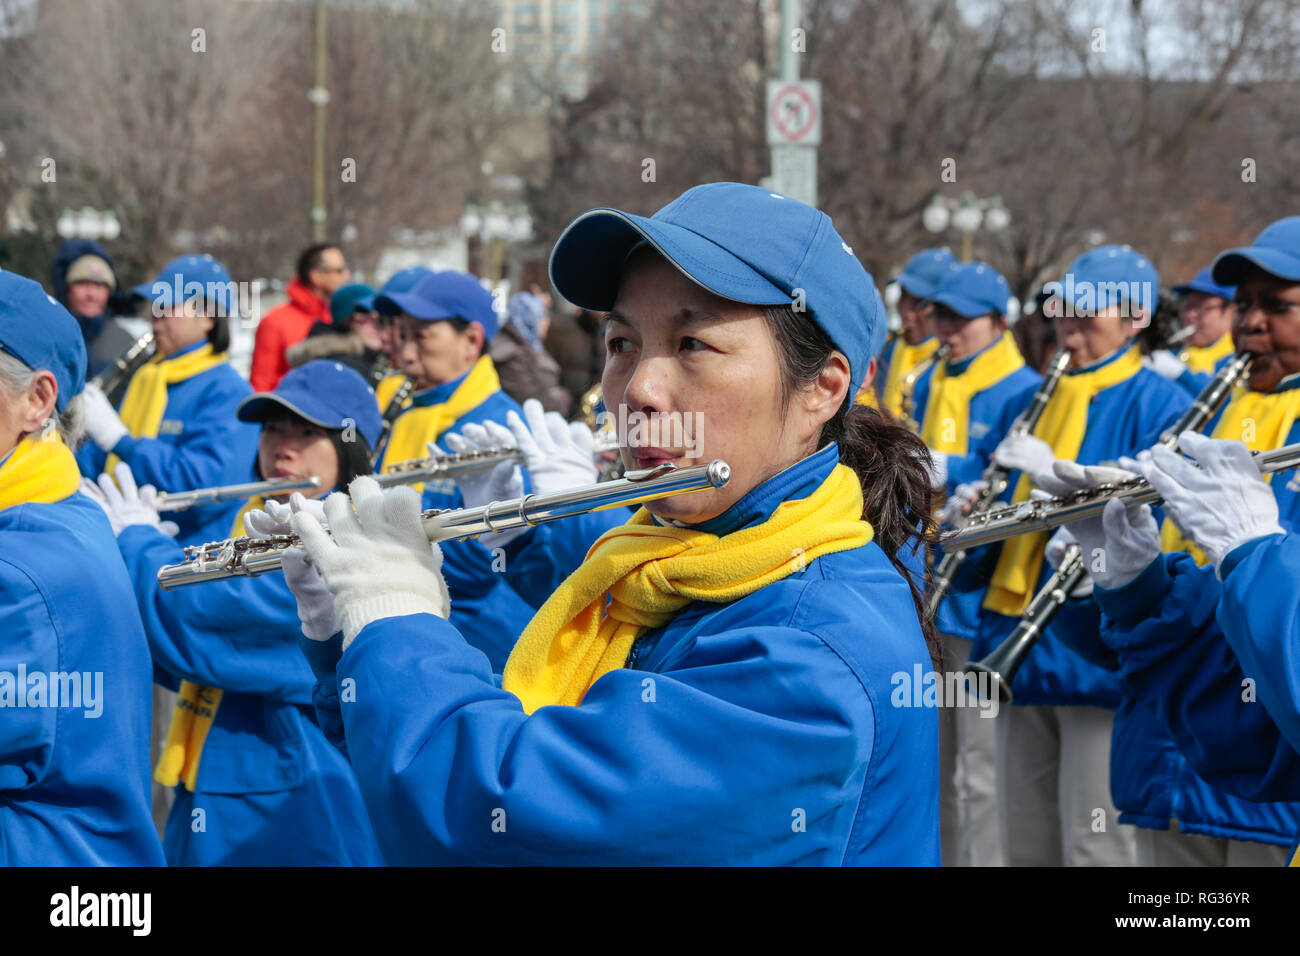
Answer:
(916, 342)
(732, 701)
(74, 787)
(256, 780)
(1055, 742)
(970, 402)
(403, 280)
(1206, 306)
(177, 428)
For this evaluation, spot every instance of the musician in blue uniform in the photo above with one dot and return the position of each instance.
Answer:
(967, 406)
(177, 427)
(739, 699)
(74, 678)
(256, 780)
(1055, 742)
(915, 341)
(1206, 307)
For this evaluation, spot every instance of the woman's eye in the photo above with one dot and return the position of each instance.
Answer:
(693, 345)
(619, 344)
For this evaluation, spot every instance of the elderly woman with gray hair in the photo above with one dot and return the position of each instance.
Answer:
(524, 366)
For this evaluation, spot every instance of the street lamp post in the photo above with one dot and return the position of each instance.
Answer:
(966, 215)
(88, 223)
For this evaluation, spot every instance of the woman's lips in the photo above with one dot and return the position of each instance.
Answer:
(650, 457)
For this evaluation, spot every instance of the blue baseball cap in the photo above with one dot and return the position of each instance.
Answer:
(972, 290)
(925, 270)
(326, 393)
(403, 280)
(1204, 282)
(879, 331)
(190, 277)
(42, 334)
(1106, 276)
(743, 243)
(444, 295)
(347, 299)
(1276, 250)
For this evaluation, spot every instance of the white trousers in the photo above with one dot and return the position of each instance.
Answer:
(969, 804)
(1172, 847)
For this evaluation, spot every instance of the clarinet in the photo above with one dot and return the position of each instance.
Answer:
(995, 478)
(237, 557)
(125, 365)
(907, 401)
(390, 415)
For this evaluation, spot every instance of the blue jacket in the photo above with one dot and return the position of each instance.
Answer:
(1195, 382)
(992, 413)
(74, 778)
(1064, 667)
(762, 731)
(200, 444)
(271, 789)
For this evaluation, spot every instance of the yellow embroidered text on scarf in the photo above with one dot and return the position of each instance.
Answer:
(418, 426)
(146, 397)
(41, 470)
(196, 709)
(1062, 426)
(904, 358)
(651, 572)
(1203, 359)
(1260, 420)
(947, 412)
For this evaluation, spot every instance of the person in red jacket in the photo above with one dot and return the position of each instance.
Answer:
(321, 270)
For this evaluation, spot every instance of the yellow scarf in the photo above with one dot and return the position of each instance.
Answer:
(1062, 426)
(1203, 359)
(421, 424)
(868, 397)
(1261, 421)
(387, 388)
(39, 471)
(905, 358)
(146, 397)
(649, 573)
(196, 709)
(947, 413)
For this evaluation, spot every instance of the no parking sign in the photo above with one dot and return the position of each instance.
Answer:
(794, 113)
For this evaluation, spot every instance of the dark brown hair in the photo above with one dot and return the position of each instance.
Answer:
(889, 460)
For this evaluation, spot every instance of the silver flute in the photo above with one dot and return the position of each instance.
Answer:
(1049, 513)
(125, 365)
(425, 469)
(236, 557)
(180, 500)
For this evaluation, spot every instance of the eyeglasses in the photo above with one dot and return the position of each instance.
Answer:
(1270, 304)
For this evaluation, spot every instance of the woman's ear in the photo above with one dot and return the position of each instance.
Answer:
(39, 402)
(826, 395)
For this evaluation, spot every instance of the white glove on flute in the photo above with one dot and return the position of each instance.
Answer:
(316, 611)
(1025, 453)
(1120, 543)
(103, 425)
(377, 561)
(1165, 363)
(125, 504)
(1220, 505)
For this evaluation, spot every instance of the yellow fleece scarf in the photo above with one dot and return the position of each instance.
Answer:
(418, 426)
(947, 412)
(868, 397)
(1203, 359)
(905, 358)
(146, 397)
(387, 388)
(39, 471)
(1261, 421)
(1062, 426)
(649, 573)
(196, 709)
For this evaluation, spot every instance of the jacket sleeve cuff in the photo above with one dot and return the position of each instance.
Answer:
(1138, 599)
(1240, 553)
(124, 447)
(322, 656)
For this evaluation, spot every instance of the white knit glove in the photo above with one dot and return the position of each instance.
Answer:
(1120, 543)
(559, 454)
(1025, 453)
(103, 425)
(1056, 547)
(377, 562)
(958, 506)
(1165, 363)
(125, 504)
(316, 611)
(1221, 505)
(503, 482)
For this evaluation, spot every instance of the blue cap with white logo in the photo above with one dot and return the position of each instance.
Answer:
(1204, 282)
(1107, 276)
(925, 270)
(325, 393)
(739, 242)
(1276, 250)
(972, 290)
(443, 295)
(187, 278)
(42, 334)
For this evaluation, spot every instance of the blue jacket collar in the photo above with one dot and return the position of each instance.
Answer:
(959, 366)
(1287, 384)
(187, 350)
(438, 393)
(798, 481)
(1113, 357)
